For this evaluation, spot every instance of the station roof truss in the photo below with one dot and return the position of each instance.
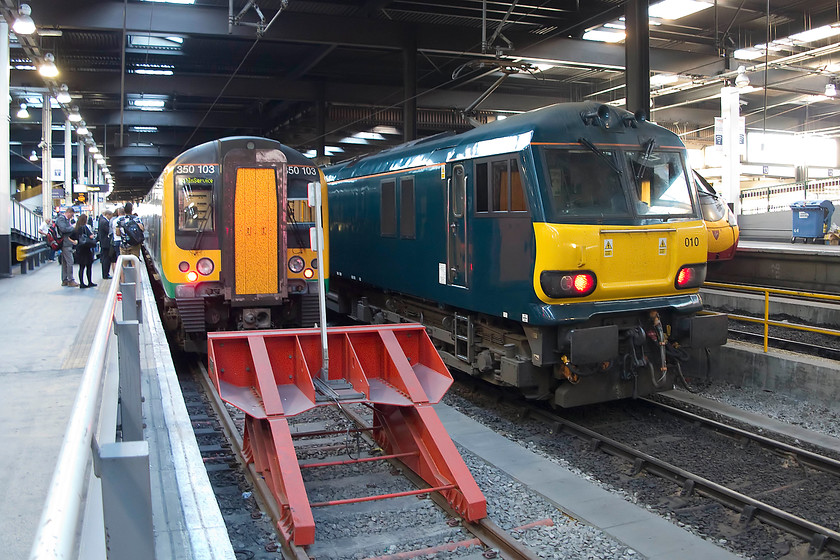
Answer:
(152, 79)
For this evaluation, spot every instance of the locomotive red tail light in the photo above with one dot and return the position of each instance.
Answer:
(560, 284)
(690, 276)
(192, 276)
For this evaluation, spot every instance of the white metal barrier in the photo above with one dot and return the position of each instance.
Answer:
(25, 220)
(105, 431)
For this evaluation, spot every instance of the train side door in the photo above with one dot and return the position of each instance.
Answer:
(457, 272)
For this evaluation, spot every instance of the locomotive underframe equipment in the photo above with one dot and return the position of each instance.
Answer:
(394, 370)
(618, 356)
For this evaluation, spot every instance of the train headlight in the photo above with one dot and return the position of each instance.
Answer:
(192, 276)
(204, 266)
(562, 284)
(297, 264)
(183, 266)
(690, 276)
(308, 273)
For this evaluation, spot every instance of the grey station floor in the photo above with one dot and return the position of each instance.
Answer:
(46, 332)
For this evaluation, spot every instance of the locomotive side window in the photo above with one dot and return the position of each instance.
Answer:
(499, 190)
(661, 184)
(388, 209)
(582, 184)
(195, 203)
(407, 215)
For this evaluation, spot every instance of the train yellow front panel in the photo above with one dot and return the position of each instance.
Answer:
(628, 261)
(255, 237)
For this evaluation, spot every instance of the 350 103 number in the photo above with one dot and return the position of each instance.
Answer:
(197, 168)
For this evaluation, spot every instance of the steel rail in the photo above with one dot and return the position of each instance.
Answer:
(819, 537)
(813, 460)
(261, 491)
(485, 530)
(56, 536)
(788, 344)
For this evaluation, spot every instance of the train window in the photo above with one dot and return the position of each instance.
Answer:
(500, 190)
(481, 204)
(195, 203)
(661, 184)
(388, 209)
(407, 214)
(582, 184)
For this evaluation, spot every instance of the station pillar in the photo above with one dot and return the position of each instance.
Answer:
(730, 110)
(5, 168)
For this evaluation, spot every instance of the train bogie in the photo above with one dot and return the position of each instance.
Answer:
(559, 251)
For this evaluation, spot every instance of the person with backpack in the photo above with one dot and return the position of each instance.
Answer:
(64, 227)
(131, 232)
(103, 233)
(116, 240)
(44, 230)
(85, 243)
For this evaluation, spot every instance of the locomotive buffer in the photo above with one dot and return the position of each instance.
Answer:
(272, 375)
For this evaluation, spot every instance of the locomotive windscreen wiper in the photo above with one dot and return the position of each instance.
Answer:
(590, 146)
(645, 157)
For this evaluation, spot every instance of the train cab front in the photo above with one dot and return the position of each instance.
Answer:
(620, 258)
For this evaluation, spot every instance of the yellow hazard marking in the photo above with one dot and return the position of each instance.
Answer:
(663, 245)
(608, 247)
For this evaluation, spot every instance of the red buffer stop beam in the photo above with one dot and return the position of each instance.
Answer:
(272, 375)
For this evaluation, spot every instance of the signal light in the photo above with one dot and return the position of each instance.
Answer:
(192, 276)
(690, 276)
(560, 284)
(308, 273)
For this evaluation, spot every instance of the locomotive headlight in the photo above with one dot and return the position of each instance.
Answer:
(690, 276)
(297, 264)
(192, 276)
(308, 273)
(562, 284)
(204, 266)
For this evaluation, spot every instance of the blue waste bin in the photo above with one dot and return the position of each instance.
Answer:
(811, 219)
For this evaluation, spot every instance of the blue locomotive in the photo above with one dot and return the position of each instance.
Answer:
(558, 251)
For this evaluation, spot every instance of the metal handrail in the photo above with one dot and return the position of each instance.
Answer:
(25, 220)
(56, 535)
(766, 320)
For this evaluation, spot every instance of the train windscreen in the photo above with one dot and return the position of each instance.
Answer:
(583, 185)
(660, 184)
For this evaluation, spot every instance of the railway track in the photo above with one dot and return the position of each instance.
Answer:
(413, 523)
(760, 481)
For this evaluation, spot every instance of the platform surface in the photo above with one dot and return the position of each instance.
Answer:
(46, 332)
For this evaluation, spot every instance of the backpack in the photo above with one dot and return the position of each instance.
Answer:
(54, 237)
(133, 232)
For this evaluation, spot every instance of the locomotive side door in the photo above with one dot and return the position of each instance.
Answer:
(457, 265)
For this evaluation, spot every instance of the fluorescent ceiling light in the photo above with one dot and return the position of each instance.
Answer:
(618, 102)
(149, 103)
(615, 25)
(816, 34)
(353, 140)
(153, 72)
(369, 136)
(382, 129)
(143, 129)
(310, 154)
(155, 42)
(663, 79)
(676, 9)
(24, 67)
(604, 36)
(747, 54)
(172, 1)
(330, 150)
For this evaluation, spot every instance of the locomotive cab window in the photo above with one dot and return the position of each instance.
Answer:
(195, 203)
(498, 187)
(661, 186)
(583, 184)
(388, 209)
(407, 215)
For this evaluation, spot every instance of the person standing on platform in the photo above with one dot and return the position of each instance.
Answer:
(103, 232)
(127, 245)
(85, 244)
(62, 222)
(116, 240)
(43, 229)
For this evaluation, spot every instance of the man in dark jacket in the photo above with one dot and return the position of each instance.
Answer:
(103, 232)
(65, 228)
